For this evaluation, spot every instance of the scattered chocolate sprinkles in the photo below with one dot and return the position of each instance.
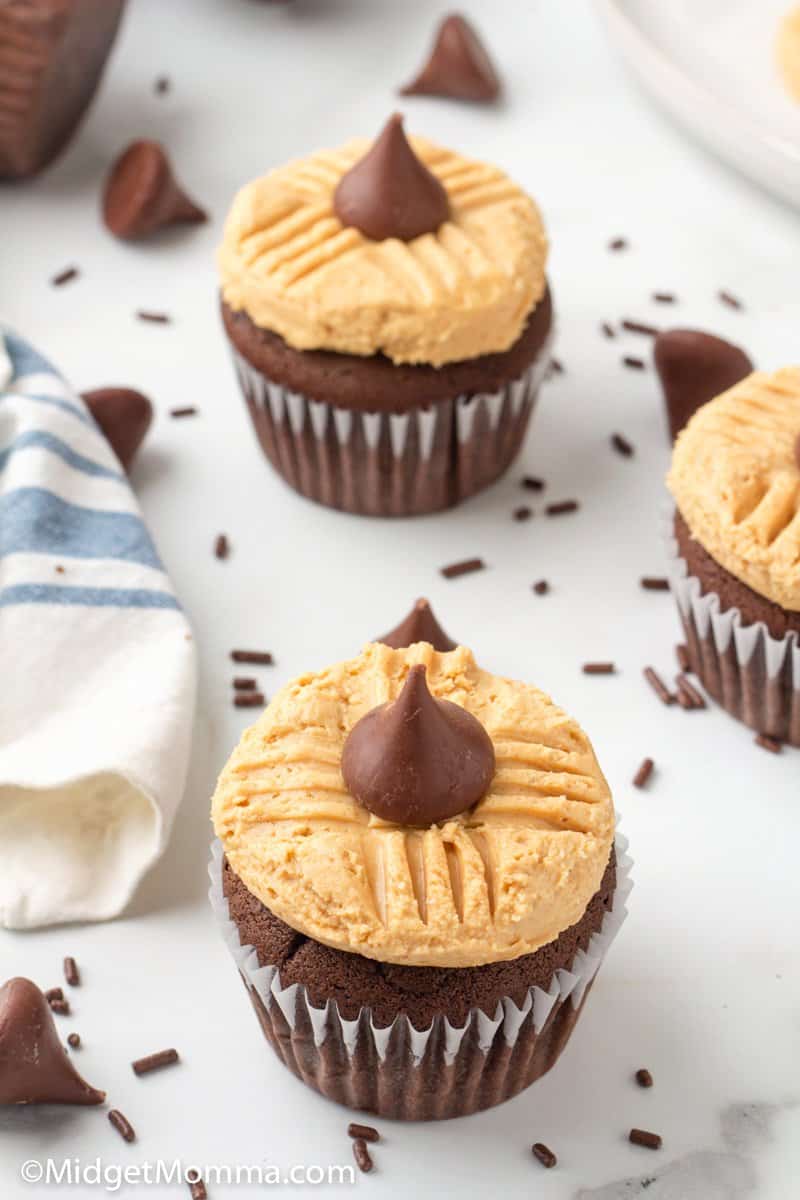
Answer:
(60, 1006)
(664, 297)
(767, 742)
(643, 1137)
(556, 367)
(154, 1062)
(197, 1189)
(654, 583)
(188, 410)
(598, 668)
(244, 683)
(639, 327)
(261, 658)
(618, 243)
(162, 85)
(658, 686)
(636, 364)
(122, 1125)
(249, 700)
(682, 655)
(465, 567)
(543, 1154)
(65, 276)
(644, 1078)
(532, 483)
(367, 1133)
(523, 513)
(622, 445)
(71, 972)
(643, 774)
(608, 329)
(74, 1040)
(542, 587)
(54, 993)
(729, 299)
(563, 506)
(362, 1155)
(221, 546)
(687, 689)
(155, 318)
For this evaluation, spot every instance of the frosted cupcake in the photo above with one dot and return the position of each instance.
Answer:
(735, 549)
(390, 320)
(416, 873)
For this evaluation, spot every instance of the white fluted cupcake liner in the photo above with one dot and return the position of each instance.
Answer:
(441, 1071)
(753, 675)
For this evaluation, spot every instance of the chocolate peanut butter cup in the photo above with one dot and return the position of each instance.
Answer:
(417, 938)
(390, 321)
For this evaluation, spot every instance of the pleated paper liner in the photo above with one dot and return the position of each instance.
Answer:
(401, 1072)
(753, 675)
(391, 464)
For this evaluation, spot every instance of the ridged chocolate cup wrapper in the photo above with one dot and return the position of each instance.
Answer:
(753, 675)
(391, 464)
(404, 1073)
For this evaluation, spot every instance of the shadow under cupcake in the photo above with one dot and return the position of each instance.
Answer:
(390, 320)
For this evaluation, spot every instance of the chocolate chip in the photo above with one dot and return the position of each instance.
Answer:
(543, 1154)
(141, 194)
(367, 1132)
(563, 506)
(122, 1125)
(124, 415)
(658, 686)
(598, 668)
(541, 588)
(65, 276)
(644, 1078)
(154, 1062)
(639, 327)
(654, 583)
(643, 774)
(362, 1155)
(622, 445)
(465, 567)
(261, 658)
(459, 66)
(643, 1137)
(71, 972)
(636, 364)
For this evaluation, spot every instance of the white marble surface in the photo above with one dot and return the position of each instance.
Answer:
(703, 984)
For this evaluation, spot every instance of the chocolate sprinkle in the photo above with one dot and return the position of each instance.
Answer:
(122, 1125)
(622, 445)
(543, 1154)
(162, 85)
(598, 668)
(249, 700)
(197, 1189)
(608, 330)
(71, 972)
(74, 1040)
(644, 1078)
(532, 483)
(60, 1006)
(664, 297)
(188, 410)
(523, 513)
(658, 686)
(766, 742)
(682, 655)
(154, 1062)
(563, 506)
(729, 299)
(654, 583)
(221, 546)
(155, 318)
(618, 243)
(643, 1137)
(556, 366)
(465, 567)
(686, 688)
(636, 364)
(362, 1155)
(541, 588)
(639, 327)
(643, 774)
(367, 1133)
(244, 683)
(65, 276)
(54, 993)
(261, 658)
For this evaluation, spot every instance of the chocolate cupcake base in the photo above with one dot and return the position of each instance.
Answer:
(444, 1070)
(754, 675)
(368, 437)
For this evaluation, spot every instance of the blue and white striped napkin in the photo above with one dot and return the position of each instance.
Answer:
(98, 692)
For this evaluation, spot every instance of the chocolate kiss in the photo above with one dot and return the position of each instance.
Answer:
(123, 415)
(141, 194)
(417, 760)
(694, 367)
(419, 626)
(34, 1066)
(459, 66)
(389, 193)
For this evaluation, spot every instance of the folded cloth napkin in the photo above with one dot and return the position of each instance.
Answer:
(98, 693)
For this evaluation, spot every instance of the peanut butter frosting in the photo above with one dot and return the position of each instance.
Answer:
(490, 884)
(461, 292)
(788, 52)
(735, 478)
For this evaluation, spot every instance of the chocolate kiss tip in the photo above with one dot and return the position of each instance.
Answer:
(417, 760)
(389, 193)
(695, 367)
(142, 195)
(124, 415)
(419, 626)
(459, 66)
(34, 1066)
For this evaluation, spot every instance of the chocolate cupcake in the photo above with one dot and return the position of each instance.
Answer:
(52, 54)
(417, 876)
(390, 320)
(735, 549)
